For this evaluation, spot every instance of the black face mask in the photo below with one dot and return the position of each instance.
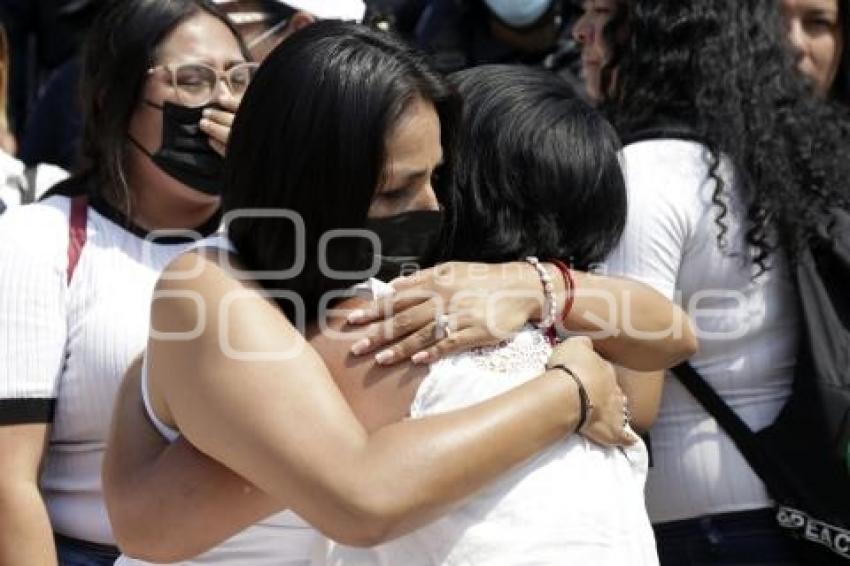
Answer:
(408, 241)
(185, 153)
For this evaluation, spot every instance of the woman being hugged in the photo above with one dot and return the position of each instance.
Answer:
(731, 166)
(577, 502)
(78, 268)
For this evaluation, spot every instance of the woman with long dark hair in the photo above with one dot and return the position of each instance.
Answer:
(819, 32)
(79, 267)
(731, 165)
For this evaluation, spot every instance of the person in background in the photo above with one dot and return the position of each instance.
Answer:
(78, 268)
(466, 33)
(41, 43)
(11, 170)
(265, 23)
(54, 124)
(8, 144)
(723, 188)
(819, 33)
(18, 184)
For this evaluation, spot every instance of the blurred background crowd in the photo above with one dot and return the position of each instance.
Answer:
(41, 44)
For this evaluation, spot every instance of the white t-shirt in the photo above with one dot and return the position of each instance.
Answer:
(574, 503)
(747, 328)
(67, 347)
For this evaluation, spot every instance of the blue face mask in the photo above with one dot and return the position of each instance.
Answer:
(518, 13)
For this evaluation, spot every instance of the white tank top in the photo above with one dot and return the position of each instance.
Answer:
(284, 539)
(575, 503)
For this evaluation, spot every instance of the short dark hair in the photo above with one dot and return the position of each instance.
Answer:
(120, 47)
(310, 137)
(536, 170)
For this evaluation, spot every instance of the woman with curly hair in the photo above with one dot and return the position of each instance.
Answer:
(730, 165)
(818, 31)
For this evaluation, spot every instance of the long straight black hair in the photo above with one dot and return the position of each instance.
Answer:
(121, 46)
(310, 138)
(536, 170)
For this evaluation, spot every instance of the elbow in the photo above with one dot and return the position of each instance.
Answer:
(643, 421)
(141, 544)
(362, 534)
(685, 342)
(134, 537)
(139, 534)
(367, 519)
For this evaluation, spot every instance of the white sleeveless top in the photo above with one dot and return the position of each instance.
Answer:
(575, 503)
(281, 540)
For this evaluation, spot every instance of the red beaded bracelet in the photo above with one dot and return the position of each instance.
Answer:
(569, 285)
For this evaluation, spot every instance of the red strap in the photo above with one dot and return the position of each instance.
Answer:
(570, 286)
(77, 232)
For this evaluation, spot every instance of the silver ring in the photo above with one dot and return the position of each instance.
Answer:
(444, 328)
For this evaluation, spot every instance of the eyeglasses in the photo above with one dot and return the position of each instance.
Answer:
(195, 82)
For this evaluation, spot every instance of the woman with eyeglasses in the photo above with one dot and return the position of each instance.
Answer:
(79, 267)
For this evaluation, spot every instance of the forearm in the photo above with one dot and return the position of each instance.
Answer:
(410, 473)
(630, 324)
(643, 389)
(26, 536)
(181, 504)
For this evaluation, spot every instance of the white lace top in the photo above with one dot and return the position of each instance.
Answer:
(575, 503)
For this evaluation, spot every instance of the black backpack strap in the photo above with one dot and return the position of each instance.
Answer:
(740, 433)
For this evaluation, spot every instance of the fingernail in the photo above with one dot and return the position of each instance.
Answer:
(384, 357)
(360, 347)
(356, 316)
(420, 358)
(205, 123)
(207, 112)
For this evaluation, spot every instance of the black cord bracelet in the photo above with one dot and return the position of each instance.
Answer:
(584, 400)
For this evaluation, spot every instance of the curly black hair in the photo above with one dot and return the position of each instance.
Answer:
(722, 69)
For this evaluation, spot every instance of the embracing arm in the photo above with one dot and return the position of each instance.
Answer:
(290, 432)
(630, 323)
(151, 487)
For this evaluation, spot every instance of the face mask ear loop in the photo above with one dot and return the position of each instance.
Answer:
(139, 146)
